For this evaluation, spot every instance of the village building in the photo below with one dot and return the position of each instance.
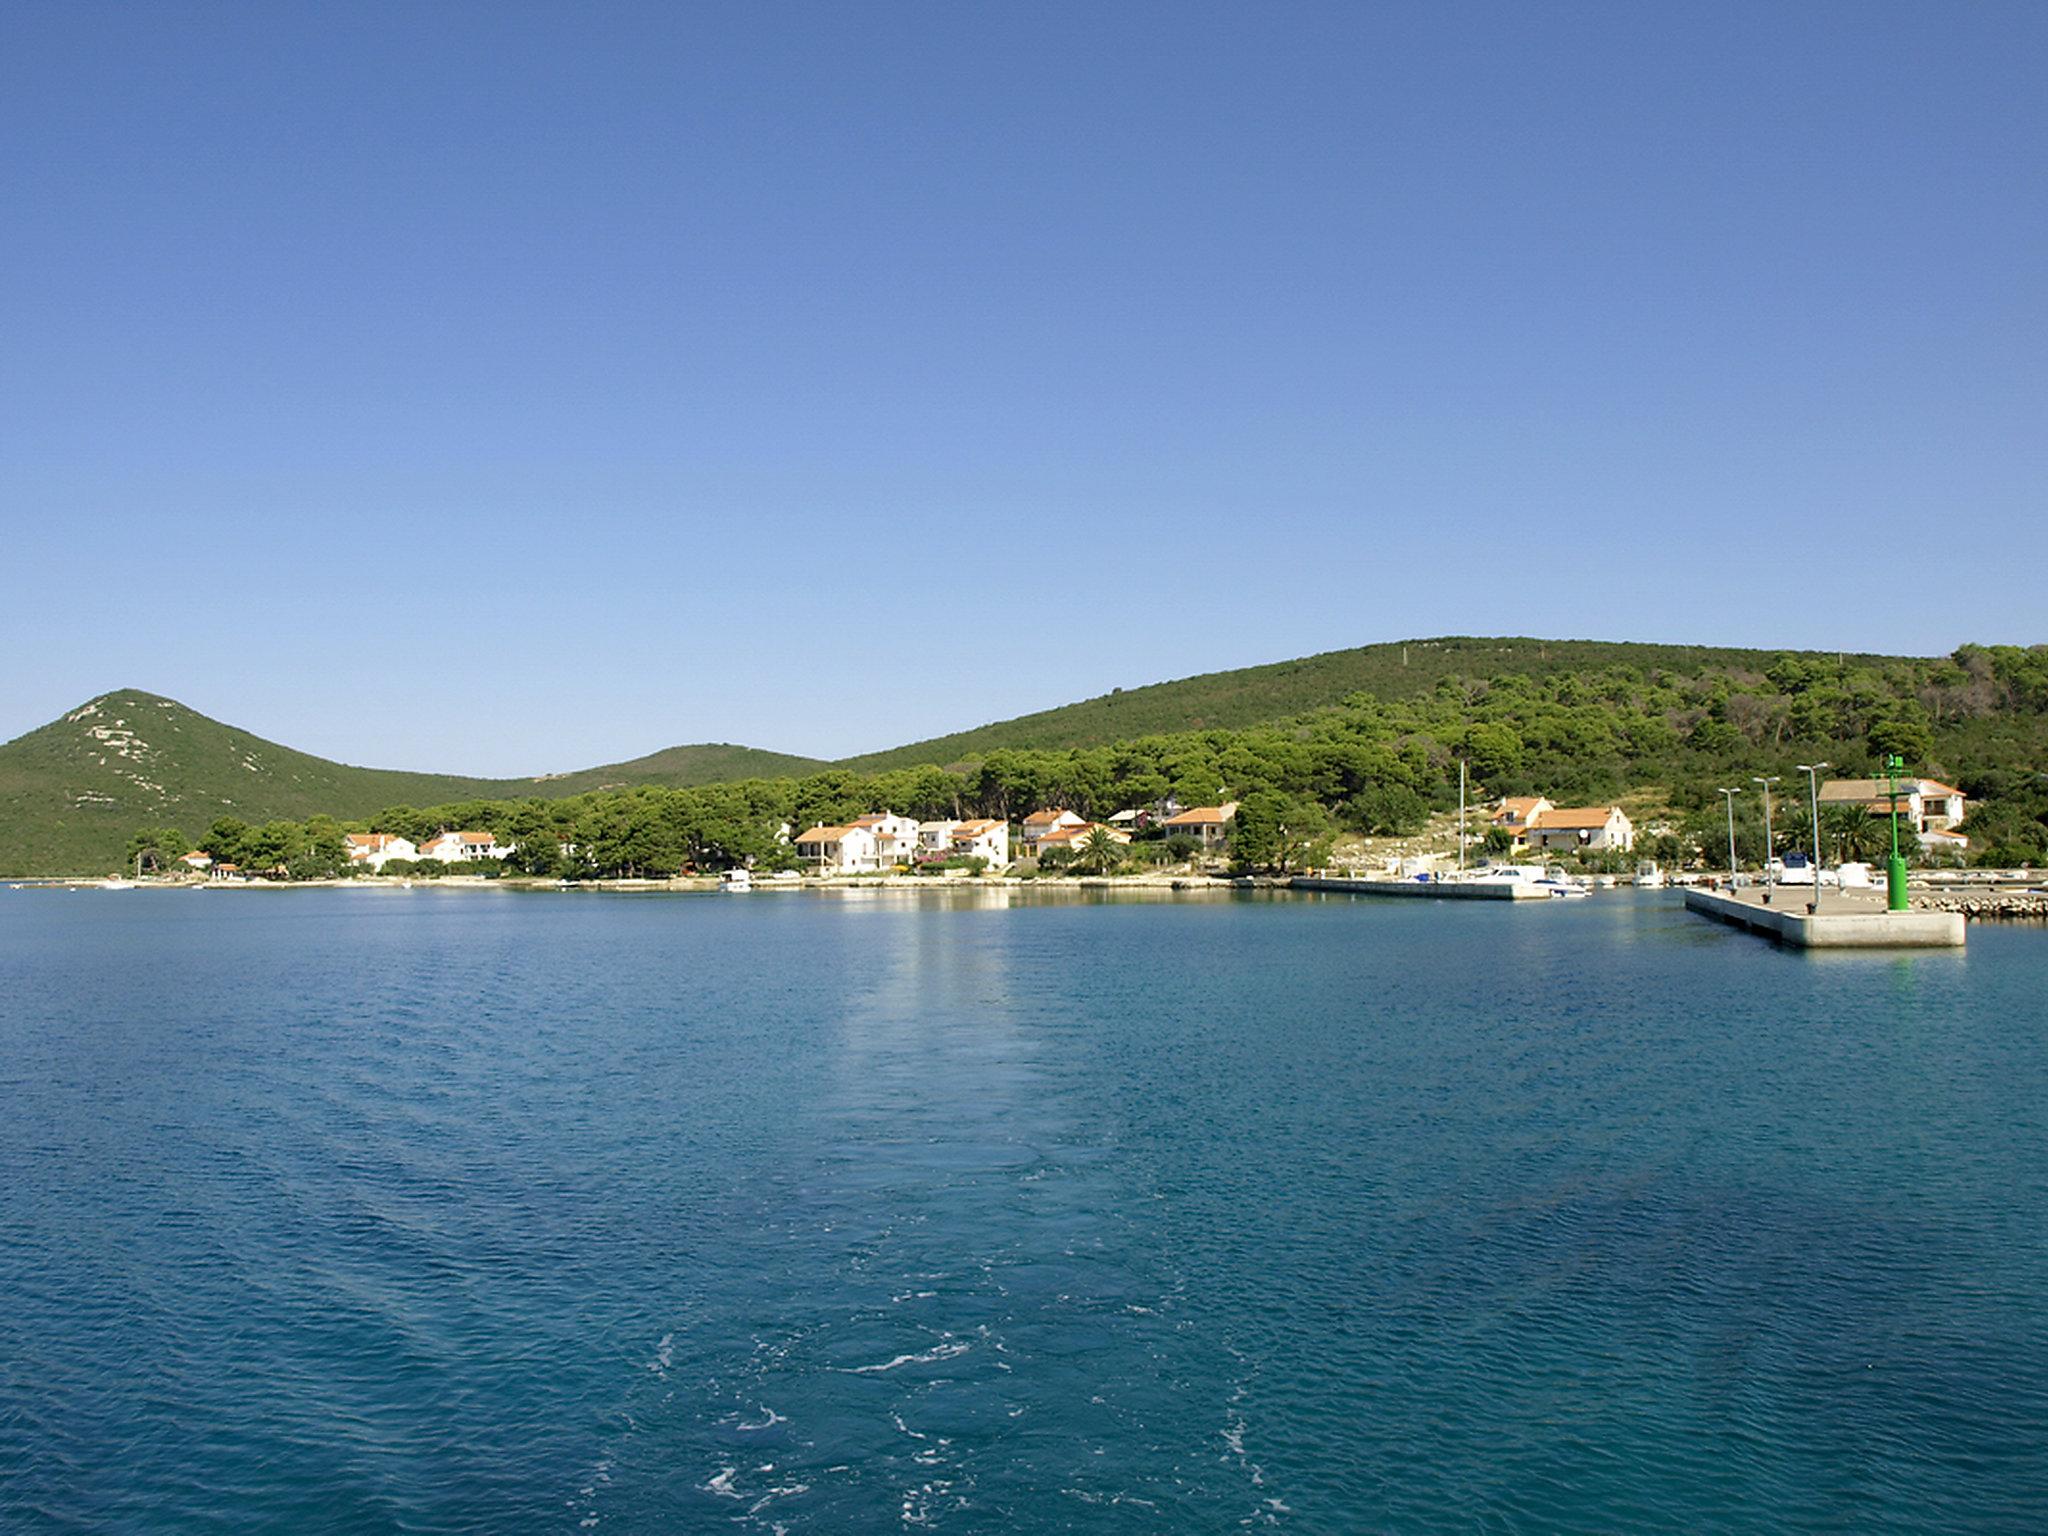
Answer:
(1927, 805)
(935, 838)
(1582, 826)
(376, 849)
(847, 850)
(1075, 838)
(896, 837)
(1041, 823)
(1208, 823)
(1518, 813)
(1944, 840)
(464, 848)
(983, 839)
(197, 861)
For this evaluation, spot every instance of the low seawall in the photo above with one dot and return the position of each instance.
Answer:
(1435, 890)
(1852, 924)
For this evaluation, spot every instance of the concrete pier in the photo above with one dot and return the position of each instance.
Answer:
(1847, 919)
(1447, 890)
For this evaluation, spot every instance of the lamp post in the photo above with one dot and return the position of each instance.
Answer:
(1731, 794)
(1812, 772)
(1895, 869)
(1766, 781)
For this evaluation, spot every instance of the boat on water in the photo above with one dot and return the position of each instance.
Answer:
(116, 883)
(1648, 876)
(1548, 882)
(736, 881)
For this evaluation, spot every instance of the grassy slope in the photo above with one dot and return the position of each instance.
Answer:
(1281, 690)
(73, 792)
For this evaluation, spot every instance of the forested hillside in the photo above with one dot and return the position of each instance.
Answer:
(1663, 737)
(1282, 690)
(72, 791)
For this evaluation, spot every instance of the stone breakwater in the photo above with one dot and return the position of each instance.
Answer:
(1986, 904)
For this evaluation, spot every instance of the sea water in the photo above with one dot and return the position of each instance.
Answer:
(473, 1210)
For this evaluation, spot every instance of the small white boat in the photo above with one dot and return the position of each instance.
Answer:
(1556, 882)
(1648, 876)
(116, 883)
(736, 881)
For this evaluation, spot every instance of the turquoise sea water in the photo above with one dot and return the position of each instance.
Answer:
(352, 1211)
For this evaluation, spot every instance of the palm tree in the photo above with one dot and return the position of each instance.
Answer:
(1851, 832)
(1100, 851)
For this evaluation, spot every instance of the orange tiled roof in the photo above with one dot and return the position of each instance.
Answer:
(824, 834)
(1576, 817)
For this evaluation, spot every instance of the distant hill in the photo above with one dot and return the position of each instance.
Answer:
(72, 792)
(1282, 690)
(714, 762)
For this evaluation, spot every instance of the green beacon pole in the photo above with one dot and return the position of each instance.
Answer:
(1895, 869)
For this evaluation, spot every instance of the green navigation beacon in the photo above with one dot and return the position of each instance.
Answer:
(1895, 869)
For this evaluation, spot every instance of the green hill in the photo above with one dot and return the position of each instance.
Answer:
(73, 792)
(1282, 690)
(715, 762)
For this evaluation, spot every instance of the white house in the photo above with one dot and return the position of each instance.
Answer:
(1582, 826)
(896, 840)
(935, 838)
(847, 850)
(1040, 823)
(377, 849)
(1518, 813)
(1929, 804)
(1945, 840)
(465, 847)
(1209, 823)
(196, 860)
(983, 839)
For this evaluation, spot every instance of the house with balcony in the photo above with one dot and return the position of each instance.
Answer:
(896, 837)
(983, 839)
(847, 850)
(1209, 824)
(1040, 824)
(465, 847)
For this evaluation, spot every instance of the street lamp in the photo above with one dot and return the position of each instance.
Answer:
(1767, 781)
(1812, 772)
(1731, 794)
(1895, 868)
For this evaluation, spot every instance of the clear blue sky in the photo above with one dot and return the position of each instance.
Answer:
(502, 388)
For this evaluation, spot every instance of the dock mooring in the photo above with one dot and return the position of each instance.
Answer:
(1846, 920)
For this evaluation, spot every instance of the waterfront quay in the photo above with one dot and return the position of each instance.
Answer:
(1448, 890)
(1849, 919)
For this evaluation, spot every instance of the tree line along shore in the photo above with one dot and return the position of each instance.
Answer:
(1662, 742)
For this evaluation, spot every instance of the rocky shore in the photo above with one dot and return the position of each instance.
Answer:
(1986, 904)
